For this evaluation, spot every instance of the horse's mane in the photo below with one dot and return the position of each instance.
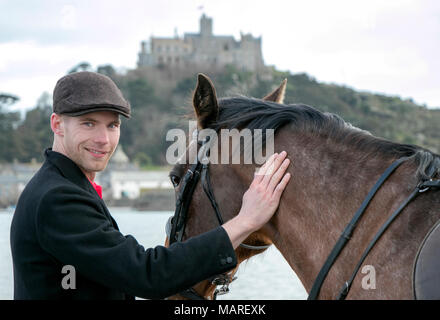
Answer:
(242, 112)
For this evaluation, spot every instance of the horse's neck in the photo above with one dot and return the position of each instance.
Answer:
(327, 187)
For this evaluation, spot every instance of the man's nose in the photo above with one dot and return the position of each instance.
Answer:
(101, 136)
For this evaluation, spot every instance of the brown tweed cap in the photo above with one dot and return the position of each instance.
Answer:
(84, 92)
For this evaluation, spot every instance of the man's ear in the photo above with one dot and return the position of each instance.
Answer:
(57, 124)
(278, 94)
(205, 101)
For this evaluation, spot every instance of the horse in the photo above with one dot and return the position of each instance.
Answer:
(333, 166)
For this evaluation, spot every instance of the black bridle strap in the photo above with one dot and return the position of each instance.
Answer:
(422, 187)
(206, 183)
(430, 184)
(175, 226)
(346, 234)
(183, 200)
(346, 288)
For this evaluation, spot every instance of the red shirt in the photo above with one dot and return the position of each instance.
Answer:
(98, 188)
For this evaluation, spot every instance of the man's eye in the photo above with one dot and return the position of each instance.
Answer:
(175, 180)
(88, 124)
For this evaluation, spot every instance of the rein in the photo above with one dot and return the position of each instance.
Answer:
(346, 234)
(175, 227)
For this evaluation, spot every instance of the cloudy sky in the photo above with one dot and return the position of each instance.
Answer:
(390, 47)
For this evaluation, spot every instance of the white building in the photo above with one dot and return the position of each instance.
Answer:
(122, 179)
(13, 180)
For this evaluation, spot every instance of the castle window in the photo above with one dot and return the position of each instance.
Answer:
(226, 47)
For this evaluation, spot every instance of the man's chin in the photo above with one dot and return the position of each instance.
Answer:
(97, 167)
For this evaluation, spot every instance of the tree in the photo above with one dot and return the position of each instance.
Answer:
(33, 135)
(44, 102)
(140, 93)
(83, 66)
(8, 99)
(8, 122)
(107, 70)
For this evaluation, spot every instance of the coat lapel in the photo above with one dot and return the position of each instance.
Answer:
(68, 169)
(72, 172)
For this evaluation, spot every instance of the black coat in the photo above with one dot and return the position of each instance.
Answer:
(60, 220)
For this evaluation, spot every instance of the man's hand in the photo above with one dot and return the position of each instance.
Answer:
(261, 200)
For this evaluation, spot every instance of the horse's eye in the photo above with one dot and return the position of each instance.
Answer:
(175, 180)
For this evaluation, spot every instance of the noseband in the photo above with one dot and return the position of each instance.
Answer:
(175, 227)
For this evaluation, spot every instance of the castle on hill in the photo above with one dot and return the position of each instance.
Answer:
(203, 49)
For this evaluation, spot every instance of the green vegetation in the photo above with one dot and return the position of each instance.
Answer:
(161, 101)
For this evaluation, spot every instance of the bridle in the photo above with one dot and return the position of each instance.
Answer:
(175, 227)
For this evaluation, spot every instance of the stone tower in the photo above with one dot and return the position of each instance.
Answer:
(205, 26)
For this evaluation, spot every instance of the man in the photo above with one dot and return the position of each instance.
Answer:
(62, 225)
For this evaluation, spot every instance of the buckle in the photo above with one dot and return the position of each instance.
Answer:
(223, 290)
(424, 186)
(220, 280)
(223, 280)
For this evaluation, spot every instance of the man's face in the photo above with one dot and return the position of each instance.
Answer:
(90, 140)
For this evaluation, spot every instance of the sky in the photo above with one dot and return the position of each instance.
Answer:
(387, 47)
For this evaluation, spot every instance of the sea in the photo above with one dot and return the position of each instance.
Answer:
(266, 276)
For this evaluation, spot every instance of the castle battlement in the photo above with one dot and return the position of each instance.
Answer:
(203, 49)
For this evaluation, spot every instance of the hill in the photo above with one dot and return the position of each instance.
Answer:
(161, 98)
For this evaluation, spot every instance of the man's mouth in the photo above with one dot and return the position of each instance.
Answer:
(96, 153)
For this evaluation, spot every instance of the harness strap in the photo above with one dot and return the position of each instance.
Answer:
(346, 288)
(422, 187)
(346, 234)
(430, 184)
(188, 185)
(206, 183)
(186, 203)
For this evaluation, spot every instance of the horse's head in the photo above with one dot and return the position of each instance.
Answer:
(227, 183)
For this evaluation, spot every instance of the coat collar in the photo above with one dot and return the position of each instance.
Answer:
(68, 169)
(72, 172)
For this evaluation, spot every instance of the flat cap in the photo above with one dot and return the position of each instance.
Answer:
(84, 92)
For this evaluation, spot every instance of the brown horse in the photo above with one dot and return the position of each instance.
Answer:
(333, 167)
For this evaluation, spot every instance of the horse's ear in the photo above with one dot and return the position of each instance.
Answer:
(205, 101)
(278, 94)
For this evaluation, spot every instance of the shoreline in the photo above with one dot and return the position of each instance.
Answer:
(151, 200)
